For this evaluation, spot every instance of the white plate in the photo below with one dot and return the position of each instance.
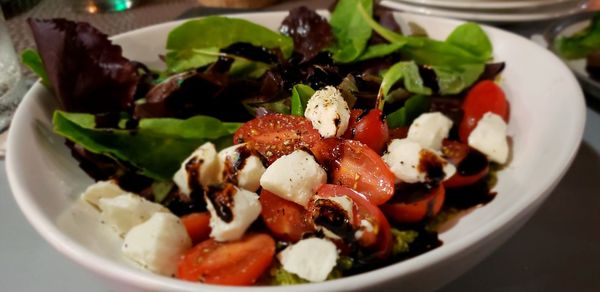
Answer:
(46, 180)
(497, 17)
(487, 5)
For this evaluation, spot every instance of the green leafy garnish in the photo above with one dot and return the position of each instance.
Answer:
(350, 29)
(281, 106)
(196, 43)
(156, 148)
(413, 107)
(582, 43)
(445, 215)
(300, 95)
(402, 240)
(453, 80)
(161, 189)
(379, 50)
(468, 43)
(471, 38)
(409, 73)
(33, 61)
(279, 276)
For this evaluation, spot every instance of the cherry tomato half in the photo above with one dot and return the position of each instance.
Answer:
(275, 135)
(485, 96)
(237, 263)
(471, 166)
(418, 203)
(368, 127)
(380, 236)
(354, 165)
(286, 219)
(197, 226)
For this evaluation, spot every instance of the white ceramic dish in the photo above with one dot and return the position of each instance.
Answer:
(45, 180)
(551, 12)
(486, 5)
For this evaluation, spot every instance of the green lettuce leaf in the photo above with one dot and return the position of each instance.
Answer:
(33, 61)
(181, 61)
(196, 43)
(580, 44)
(156, 148)
(468, 43)
(454, 80)
(471, 38)
(407, 71)
(300, 95)
(350, 29)
(379, 50)
(413, 107)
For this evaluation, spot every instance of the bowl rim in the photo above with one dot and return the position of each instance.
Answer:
(138, 278)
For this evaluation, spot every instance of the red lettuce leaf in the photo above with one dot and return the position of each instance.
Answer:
(87, 72)
(311, 32)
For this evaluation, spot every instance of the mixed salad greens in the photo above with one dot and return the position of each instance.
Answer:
(583, 44)
(230, 81)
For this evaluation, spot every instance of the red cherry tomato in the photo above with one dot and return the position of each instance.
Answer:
(275, 135)
(197, 226)
(471, 165)
(485, 96)
(380, 236)
(237, 263)
(286, 219)
(416, 205)
(368, 127)
(354, 165)
(398, 133)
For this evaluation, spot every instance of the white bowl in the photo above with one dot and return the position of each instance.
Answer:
(546, 123)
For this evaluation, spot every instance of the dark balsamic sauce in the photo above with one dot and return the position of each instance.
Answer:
(433, 166)
(192, 168)
(232, 167)
(473, 163)
(182, 205)
(410, 193)
(470, 196)
(330, 215)
(221, 197)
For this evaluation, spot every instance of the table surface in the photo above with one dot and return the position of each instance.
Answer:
(555, 251)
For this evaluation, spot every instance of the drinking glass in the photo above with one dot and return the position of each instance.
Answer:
(100, 6)
(11, 81)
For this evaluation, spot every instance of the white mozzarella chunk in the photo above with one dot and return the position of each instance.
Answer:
(328, 112)
(99, 190)
(248, 177)
(200, 168)
(489, 137)
(345, 202)
(244, 207)
(311, 259)
(127, 210)
(406, 159)
(429, 129)
(294, 177)
(157, 244)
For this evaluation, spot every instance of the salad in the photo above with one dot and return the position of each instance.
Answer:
(583, 44)
(329, 148)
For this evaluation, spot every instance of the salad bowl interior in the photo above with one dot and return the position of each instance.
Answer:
(547, 117)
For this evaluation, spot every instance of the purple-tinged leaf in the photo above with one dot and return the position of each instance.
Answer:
(311, 32)
(87, 72)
